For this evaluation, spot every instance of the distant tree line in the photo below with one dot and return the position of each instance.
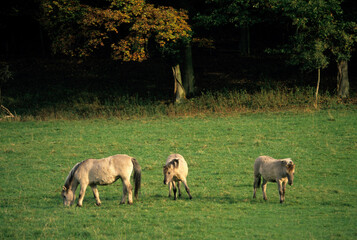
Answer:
(311, 33)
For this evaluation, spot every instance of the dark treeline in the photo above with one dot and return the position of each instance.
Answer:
(246, 45)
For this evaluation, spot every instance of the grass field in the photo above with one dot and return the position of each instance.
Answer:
(35, 158)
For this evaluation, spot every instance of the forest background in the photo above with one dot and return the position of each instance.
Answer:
(79, 59)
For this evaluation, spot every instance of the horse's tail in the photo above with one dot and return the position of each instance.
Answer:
(259, 181)
(137, 176)
(257, 175)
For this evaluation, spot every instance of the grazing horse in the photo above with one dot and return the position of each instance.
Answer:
(103, 171)
(273, 170)
(176, 170)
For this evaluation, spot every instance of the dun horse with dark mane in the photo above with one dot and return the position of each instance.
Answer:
(175, 171)
(280, 171)
(103, 171)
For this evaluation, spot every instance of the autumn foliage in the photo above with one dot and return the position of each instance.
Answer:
(125, 27)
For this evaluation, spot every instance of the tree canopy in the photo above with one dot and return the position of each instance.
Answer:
(319, 30)
(125, 28)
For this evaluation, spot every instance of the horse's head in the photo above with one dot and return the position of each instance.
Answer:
(169, 171)
(68, 196)
(290, 170)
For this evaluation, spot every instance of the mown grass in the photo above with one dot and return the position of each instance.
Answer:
(36, 156)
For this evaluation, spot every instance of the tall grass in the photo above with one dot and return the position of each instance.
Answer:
(90, 105)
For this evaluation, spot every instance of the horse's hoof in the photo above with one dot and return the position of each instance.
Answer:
(130, 203)
(98, 204)
(79, 205)
(190, 197)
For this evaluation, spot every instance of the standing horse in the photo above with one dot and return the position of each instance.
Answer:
(273, 170)
(103, 171)
(176, 170)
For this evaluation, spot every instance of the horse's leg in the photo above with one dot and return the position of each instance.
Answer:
(73, 188)
(175, 189)
(284, 188)
(96, 194)
(256, 184)
(264, 188)
(187, 189)
(179, 188)
(280, 188)
(81, 194)
(170, 187)
(127, 191)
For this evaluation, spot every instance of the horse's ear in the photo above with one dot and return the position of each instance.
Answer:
(176, 163)
(291, 165)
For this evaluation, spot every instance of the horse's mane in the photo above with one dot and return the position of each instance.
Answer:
(290, 164)
(173, 162)
(69, 178)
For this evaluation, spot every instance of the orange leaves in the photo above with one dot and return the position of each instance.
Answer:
(131, 49)
(125, 26)
(169, 24)
(106, 20)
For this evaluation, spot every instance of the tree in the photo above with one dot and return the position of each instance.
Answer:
(186, 60)
(128, 29)
(321, 30)
(342, 42)
(318, 32)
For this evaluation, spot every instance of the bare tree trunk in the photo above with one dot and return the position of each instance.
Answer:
(318, 86)
(179, 90)
(343, 84)
(188, 72)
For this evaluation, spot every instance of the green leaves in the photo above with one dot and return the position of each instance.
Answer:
(319, 30)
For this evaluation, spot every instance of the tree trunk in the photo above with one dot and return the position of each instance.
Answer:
(343, 84)
(188, 76)
(318, 86)
(244, 40)
(179, 90)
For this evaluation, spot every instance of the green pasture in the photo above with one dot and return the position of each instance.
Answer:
(36, 156)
